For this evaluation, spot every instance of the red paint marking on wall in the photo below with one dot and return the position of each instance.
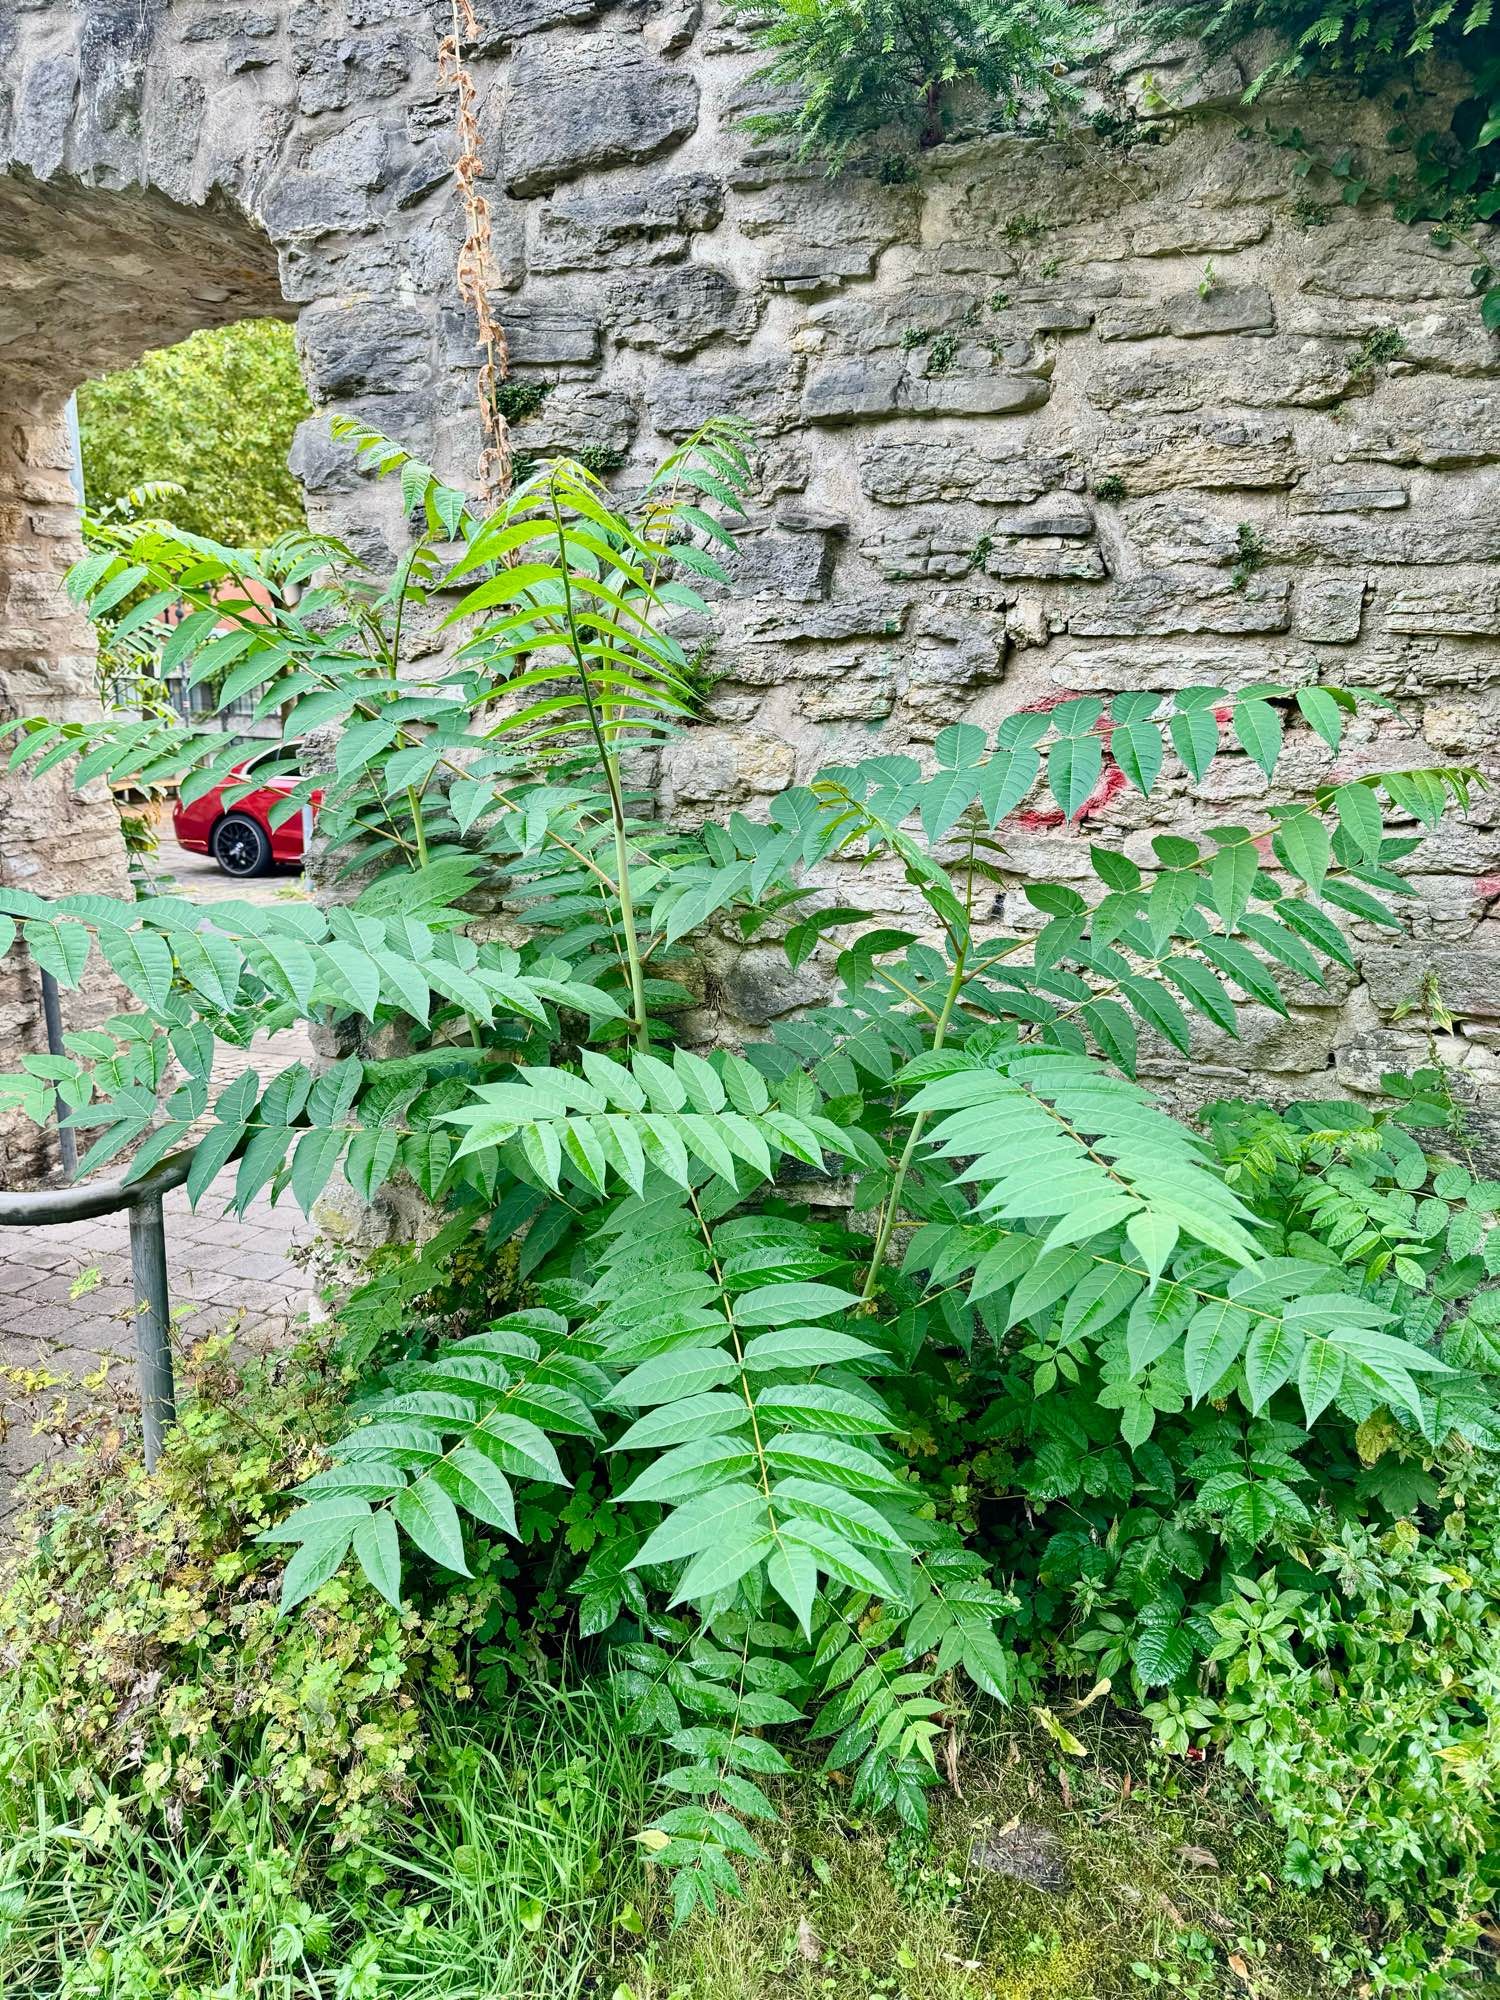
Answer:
(1112, 780)
(1487, 887)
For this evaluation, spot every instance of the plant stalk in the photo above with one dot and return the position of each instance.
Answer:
(893, 1199)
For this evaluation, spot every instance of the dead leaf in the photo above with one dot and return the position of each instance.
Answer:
(809, 1944)
(1198, 1857)
(951, 1745)
(1238, 1967)
(1099, 1688)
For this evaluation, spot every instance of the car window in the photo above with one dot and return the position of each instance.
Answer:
(263, 762)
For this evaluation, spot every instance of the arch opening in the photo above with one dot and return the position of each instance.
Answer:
(91, 279)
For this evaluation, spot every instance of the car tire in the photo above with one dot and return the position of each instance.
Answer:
(241, 846)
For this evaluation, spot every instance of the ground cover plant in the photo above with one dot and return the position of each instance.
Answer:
(289, 1810)
(1172, 1369)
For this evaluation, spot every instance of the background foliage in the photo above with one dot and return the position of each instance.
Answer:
(215, 415)
(854, 71)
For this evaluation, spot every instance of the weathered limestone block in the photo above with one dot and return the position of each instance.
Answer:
(813, 233)
(623, 227)
(1191, 315)
(855, 687)
(1427, 423)
(354, 69)
(1333, 491)
(723, 768)
(540, 336)
(914, 471)
(1195, 232)
(876, 616)
(854, 386)
(679, 310)
(1016, 559)
(502, 22)
(363, 348)
(1330, 610)
(1296, 374)
(578, 416)
(764, 392)
(771, 562)
(1468, 978)
(1462, 729)
(1081, 668)
(1381, 259)
(760, 986)
(600, 101)
(1160, 604)
(1444, 611)
(1211, 452)
(1168, 532)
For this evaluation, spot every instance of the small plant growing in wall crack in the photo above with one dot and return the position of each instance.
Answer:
(1380, 344)
(1109, 488)
(1251, 553)
(516, 401)
(942, 354)
(1210, 281)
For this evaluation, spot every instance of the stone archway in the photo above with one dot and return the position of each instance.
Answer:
(165, 168)
(90, 280)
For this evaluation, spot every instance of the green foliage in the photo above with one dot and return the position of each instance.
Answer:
(1381, 344)
(1452, 179)
(1366, 1706)
(516, 400)
(908, 73)
(214, 416)
(148, 1675)
(693, 1410)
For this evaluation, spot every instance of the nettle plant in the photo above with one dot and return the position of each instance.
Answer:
(711, 1380)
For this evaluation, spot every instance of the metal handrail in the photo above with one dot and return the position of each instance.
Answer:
(148, 1269)
(142, 1199)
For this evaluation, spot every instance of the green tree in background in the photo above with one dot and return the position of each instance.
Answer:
(215, 414)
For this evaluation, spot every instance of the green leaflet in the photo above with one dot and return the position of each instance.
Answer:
(1157, 1320)
(1215, 1340)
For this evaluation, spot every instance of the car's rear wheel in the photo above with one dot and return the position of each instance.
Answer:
(241, 846)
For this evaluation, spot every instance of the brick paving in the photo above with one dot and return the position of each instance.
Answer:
(225, 1272)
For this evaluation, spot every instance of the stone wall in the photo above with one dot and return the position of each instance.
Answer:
(1115, 413)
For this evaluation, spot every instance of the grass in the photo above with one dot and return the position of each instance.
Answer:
(507, 1876)
(515, 1878)
(514, 1871)
(1171, 1882)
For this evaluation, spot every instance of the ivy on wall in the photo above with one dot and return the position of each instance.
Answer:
(1444, 163)
(903, 74)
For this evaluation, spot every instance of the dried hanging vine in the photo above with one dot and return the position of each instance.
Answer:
(474, 258)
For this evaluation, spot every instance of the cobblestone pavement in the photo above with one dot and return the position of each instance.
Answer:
(223, 1270)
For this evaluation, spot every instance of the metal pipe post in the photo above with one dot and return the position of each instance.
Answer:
(153, 1323)
(67, 1139)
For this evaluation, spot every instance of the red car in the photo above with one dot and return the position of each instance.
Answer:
(241, 837)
